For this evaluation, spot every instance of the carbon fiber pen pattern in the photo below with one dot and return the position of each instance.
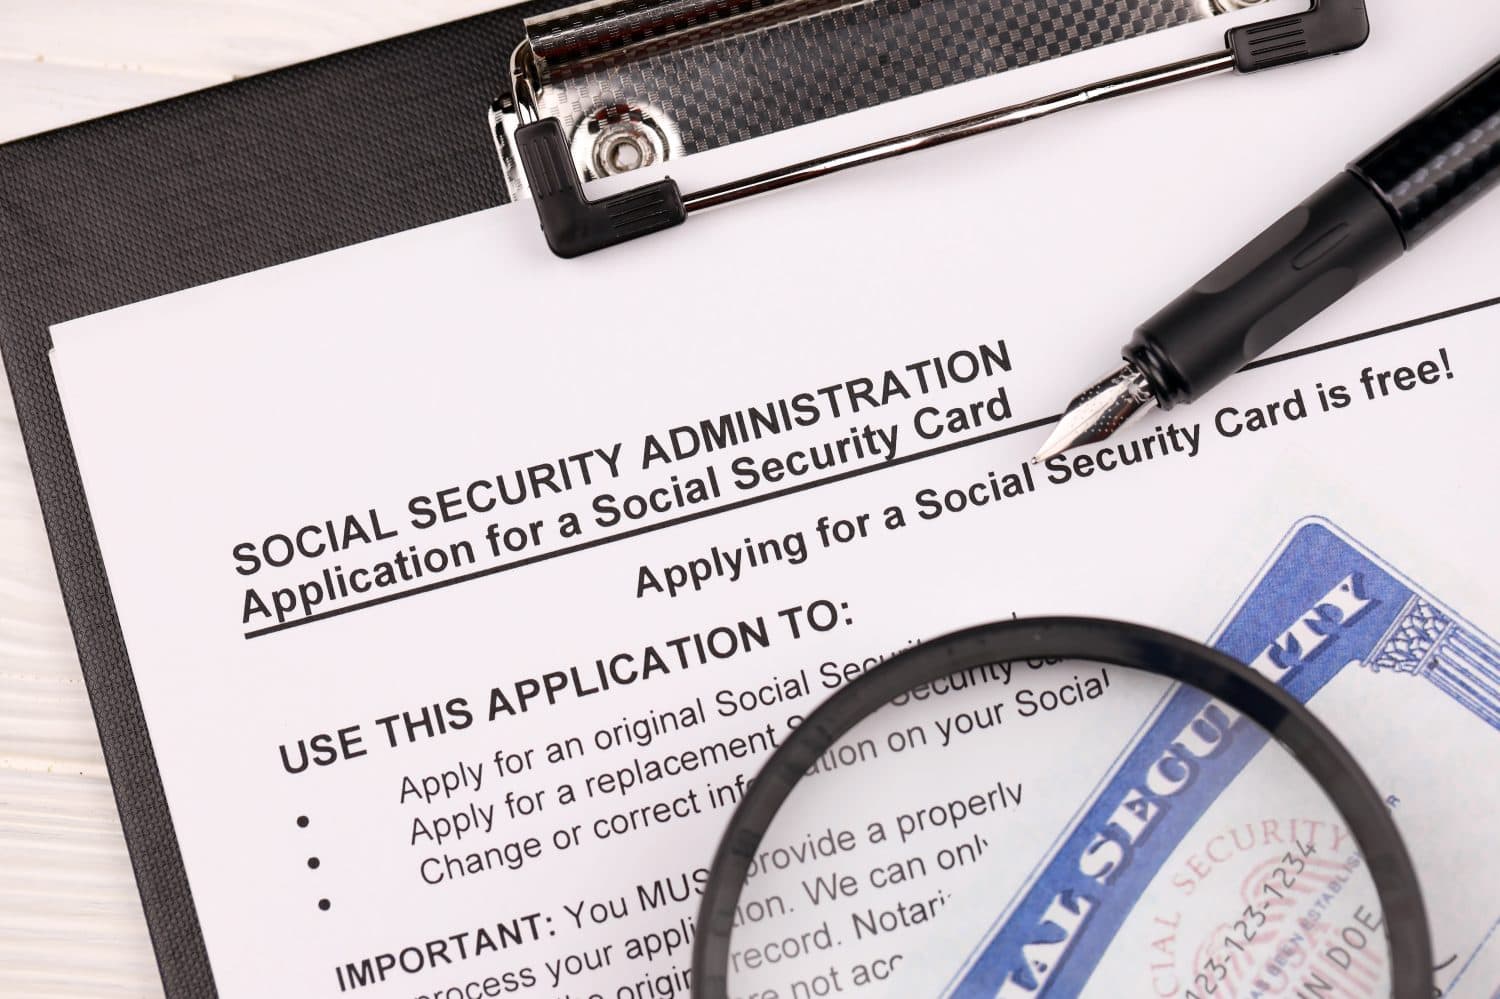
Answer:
(1437, 164)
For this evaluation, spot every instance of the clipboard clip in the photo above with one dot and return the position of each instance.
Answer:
(602, 43)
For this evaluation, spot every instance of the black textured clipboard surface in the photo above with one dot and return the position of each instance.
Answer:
(217, 183)
(202, 187)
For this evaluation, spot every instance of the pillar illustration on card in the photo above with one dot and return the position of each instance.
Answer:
(1425, 642)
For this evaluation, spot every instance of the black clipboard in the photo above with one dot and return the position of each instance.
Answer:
(269, 169)
(216, 183)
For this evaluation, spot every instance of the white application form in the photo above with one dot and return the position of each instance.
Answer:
(422, 546)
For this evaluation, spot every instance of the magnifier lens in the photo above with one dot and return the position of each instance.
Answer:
(1057, 829)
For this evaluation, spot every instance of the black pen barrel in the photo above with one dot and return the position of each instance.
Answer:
(1384, 203)
(1442, 160)
(1308, 259)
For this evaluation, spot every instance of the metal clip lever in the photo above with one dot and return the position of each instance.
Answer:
(573, 225)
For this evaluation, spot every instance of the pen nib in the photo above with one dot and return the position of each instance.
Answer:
(1100, 411)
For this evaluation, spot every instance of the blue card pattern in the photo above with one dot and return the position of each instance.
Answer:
(1321, 606)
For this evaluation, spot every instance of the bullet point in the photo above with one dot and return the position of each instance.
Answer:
(302, 821)
(313, 862)
(323, 904)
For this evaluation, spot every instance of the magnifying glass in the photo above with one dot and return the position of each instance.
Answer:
(1061, 807)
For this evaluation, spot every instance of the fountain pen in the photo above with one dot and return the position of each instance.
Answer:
(1384, 204)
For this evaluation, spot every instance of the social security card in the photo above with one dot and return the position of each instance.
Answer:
(1210, 864)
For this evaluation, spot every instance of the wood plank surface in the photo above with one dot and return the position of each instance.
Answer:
(70, 920)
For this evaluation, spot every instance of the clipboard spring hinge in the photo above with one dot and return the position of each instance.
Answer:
(542, 161)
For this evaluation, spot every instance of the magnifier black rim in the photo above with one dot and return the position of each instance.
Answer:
(1115, 643)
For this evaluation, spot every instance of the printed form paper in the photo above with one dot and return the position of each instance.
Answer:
(465, 587)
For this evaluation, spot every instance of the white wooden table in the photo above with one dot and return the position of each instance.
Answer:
(70, 920)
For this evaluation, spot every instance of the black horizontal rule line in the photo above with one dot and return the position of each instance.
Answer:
(636, 532)
(802, 487)
(1318, 348)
